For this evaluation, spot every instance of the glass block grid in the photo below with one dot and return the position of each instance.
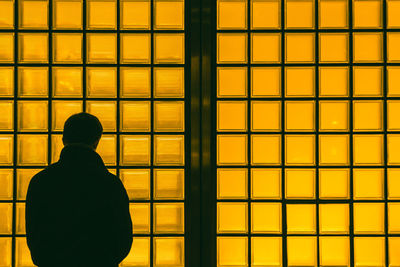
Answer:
(307, 132)
(121, 60)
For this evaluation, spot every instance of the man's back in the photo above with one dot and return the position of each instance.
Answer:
(77, 213)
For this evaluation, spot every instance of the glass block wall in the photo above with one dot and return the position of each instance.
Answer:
(121, 60)
(308, 144)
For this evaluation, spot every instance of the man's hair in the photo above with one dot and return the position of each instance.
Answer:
(82, 128)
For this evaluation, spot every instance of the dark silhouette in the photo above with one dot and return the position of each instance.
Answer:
(77, 213)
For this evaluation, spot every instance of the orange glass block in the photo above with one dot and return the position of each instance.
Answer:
(333, 14)
(394, 245)
(169, 251)
(393, 42)
(56, 146)
(101, 48)
(135, 150)
(393, 154)
(232, 251)
(7, 118)
(6, 154)
(232, 217)
(20, 219)
(6, 184)
(169, 116)
(135, 116)
(33, 14)
(260, 144)
(232, 149)
(265, 14)
(169, 150)
(232, 183)
(299, 47)
(168, 218)
(301, 218)
(367, 149)
(5, 251)
(299, 82)
(67, 14)
(136, 183)
(368, 184)
(393, 218)
(33, 47)
(107, 149)
(169, 15)
(393, 80)
(300, 150)
(32, 149)
(232, 116)
(367, 81)
(299, 14)
(106, 111)
(299, 183)
(231, 14)
(135, 48)
(367, 14)
(101, 82)
(367, 47)
(6, 47)
(6, 81)
(101, 14)
(135, 82)
(265, 48)
(334, 183)
(333, 115)
(333, 81)
(393, 182)
(62, 110)
(266, 218)
(24, 176)
(333, 47)
(334, 150)
(6, 218)
(141, 255)
(135, 14)
(6, 14)
(22, 253)
(169, 82)
(266, 251)
(232, 82)
(169, 48)
(369, 251)
(302, 251)
(33, 116)
(369, 218)
(334, 251)
(265, 81)
(392, 9)
(299, 115)
(393, 121)
(169, 184)
(334, 218)
(67, 81)
(33, 81)
(368, 115)
(67, 48)
(231, 48)
(266, 183)
(262, 123)
(140, 214)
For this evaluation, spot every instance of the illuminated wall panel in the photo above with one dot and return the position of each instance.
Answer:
(123, 61)
(307, 132)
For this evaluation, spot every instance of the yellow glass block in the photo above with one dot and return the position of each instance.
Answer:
(135, 48)
(7, 117)
(302, 251)
(6, 14)
(334, 150)
(169, 218)
(299, 82)
(67, 81)
(6, 210)
(265, 14)
(105, 111)
(334, 183)
(232, 217)
(266, 251)
(169, 82)
(393, 183)
(299, 183)
(265, 82)
(393, 80)
(62, 110)
(135, 82)
(169, 15)
(169, 251)
(56, 146)
(299, 115)
(232, 183)
(169, 116)
(136, 183)
(394, 245)
(231, 48)
(169, 150)
(140, 256)
(369, 218)
(101, 48)
(265, 183)
(369, 251)
(232, 251)
(135, 150)
(333, 14)
(140, 214)
(367, 14)
(33, 47)
(101, 82)
(262, 123)
(169, 48)
(24, 176)
(6, 80)
(334, 218)
(169, 184)
(393, 42)
(67, 14)
(232, 116)
(135, 116)
(266, 218)
(301, 218)
(20, 219)
(300, 149)
(265, 48)
(394, 218)
(232, 149)
(367, 115)
(33, 81)
(67, 47)
(393, 9)
(231, 14)
(367, 149)
(260, 144)
(333, 115)
(6, 184)
(393, 120)
(32, 149)
(101, 14)
(368, 184)
(333, 81)
(6, 47)
(106, 149)
(6, 153)
(393, 154)
(5, 251)
(299, 47)
(367, 46)
(367, 81)
(333, 47)
(33, 14)
(135, 14)
(33, 115)
(232, 82)
(299, 14)
(334, 251)
(22, 253)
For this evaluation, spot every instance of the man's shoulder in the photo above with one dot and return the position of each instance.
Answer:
(46, 172)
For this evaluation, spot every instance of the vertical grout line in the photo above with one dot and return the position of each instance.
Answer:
(249, 135)
(84, 53)
(118, 118)
(152, 239)
(50, 67)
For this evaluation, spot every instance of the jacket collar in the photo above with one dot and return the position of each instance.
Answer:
(81, 155)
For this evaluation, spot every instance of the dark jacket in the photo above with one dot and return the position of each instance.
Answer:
(77, 213)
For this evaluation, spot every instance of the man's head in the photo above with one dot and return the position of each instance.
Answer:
(82, 128)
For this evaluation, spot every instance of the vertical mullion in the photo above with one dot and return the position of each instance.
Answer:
(249, 135)
(118, 91)
(50, 66)
(152, 241)
(84, 54)
(350, 118)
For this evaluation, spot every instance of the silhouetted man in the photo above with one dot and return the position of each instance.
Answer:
(77, 213)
